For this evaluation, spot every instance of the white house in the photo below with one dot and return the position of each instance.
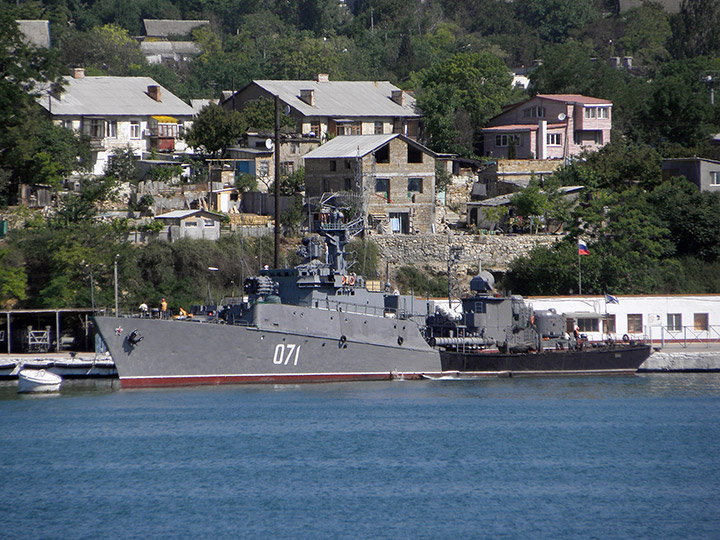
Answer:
(672, 318)
(119, 111)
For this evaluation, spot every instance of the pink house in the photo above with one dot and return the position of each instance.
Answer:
(549, 126)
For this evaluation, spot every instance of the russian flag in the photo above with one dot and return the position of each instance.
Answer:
(582, 248)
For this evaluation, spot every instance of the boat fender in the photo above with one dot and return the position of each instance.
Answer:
(344, 280)
(400, 340)
(343, 339)
(626, 338)
(351, 280)
(134, 338)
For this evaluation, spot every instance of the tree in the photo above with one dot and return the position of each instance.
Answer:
(13, 281)
(471, 85)
(696, 29)
(556, 19)
(215, 129)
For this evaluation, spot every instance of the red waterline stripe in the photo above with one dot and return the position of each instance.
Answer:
(151, 382)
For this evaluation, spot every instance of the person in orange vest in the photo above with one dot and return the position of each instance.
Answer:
(163, 309)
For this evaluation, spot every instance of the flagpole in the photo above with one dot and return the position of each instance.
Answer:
(579, 275)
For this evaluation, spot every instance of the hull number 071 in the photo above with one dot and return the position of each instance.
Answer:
(284, 354)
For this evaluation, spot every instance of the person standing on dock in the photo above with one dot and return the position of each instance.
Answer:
(143, 309)
(163, 309)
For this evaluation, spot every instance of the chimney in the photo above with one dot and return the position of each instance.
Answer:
(154, 92)
(78, 73)
(398, 96)
(542, 140)
(322, 77)
(308, 96)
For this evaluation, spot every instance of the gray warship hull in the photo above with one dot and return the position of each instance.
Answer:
(283, 344)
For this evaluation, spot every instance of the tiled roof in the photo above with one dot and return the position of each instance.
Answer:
(575, 98)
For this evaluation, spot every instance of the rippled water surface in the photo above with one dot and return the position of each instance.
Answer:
(577, 458)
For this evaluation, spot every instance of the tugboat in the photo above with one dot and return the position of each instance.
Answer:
(498, 335)
(312, 323)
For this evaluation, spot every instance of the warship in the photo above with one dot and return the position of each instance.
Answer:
(319, 322)
(496, 335)
(312, 323)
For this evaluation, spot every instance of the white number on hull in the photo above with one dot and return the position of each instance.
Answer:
(284, 353)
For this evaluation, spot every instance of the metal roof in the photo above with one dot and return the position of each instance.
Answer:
(179, 214)
(36, 32)
(347, 99)
(170, 47)
(350, 146)
(171, 27)
(107, 96)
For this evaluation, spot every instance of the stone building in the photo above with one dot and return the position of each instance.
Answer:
(390, 177)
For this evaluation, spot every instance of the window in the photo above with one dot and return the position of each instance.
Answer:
(415, 155)
(348, 164)
(191, 224)
(67, 124)
(609, 324)
(96, 128)
(480, 307)
(554, 139)
(674, 322)
(134, 130)
(263, 169)
(326, 185)
(315, 128)
(415, 185)
(588, 136)
(112, 129)
(354, 128)
(700, 321)
(534, 112)
(294, 148)
(348, 184)
(597, 112)
(333, 165)
(287, 168)
(382, 187)
(588, 325)
(634, 323)
(382, 155)
(506, 140)
(209, 222)
(379, 128)
(715, 178)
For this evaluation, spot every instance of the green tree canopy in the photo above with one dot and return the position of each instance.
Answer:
(215, 129)
(458, 96)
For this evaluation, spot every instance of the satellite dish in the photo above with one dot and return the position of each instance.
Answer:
(562, 116)
(269, 144)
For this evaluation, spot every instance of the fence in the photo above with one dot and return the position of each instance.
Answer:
(686, 335)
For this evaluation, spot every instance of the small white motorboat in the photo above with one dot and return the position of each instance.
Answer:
(38, 380)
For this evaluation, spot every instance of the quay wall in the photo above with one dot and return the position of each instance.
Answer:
(494, 252)
(682, 360)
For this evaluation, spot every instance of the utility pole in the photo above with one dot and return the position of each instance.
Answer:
(277, 181)
(117, 310)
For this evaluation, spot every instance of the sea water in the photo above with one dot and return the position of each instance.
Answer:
(610, 458)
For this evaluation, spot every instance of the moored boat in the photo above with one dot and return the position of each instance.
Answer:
(316, 322)
(38, 380)
(496, 335)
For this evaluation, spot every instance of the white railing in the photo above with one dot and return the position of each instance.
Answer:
(686, 335)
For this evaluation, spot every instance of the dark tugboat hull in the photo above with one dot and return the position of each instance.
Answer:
(618, 360)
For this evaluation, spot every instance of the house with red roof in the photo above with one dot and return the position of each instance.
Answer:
(549, 126)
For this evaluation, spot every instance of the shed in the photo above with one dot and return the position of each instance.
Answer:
(198, 224)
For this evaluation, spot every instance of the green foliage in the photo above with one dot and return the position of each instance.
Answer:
(363, 256)
(121, 165)
(425, 282)
(13, 280)
(458, 96)
(215, 129)
(555, 20)
(165, 173)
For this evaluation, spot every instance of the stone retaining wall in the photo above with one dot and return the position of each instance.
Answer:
(495, 252)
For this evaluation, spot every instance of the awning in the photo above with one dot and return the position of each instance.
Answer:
(583, 315)
(165, 119)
